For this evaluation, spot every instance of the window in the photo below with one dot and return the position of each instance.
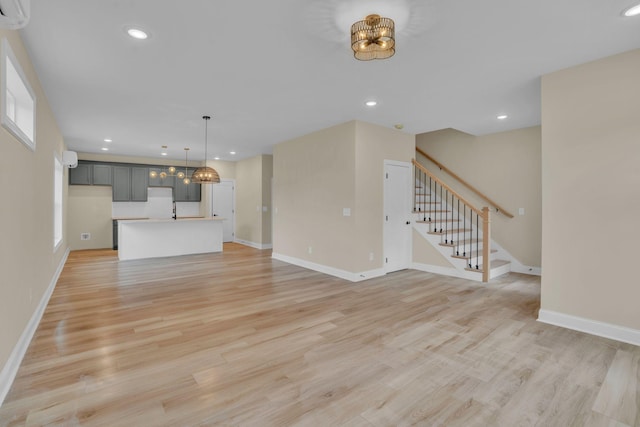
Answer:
(18, 114)
(58, 173)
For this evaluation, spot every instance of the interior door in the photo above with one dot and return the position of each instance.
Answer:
(397, 216)
(223, 205)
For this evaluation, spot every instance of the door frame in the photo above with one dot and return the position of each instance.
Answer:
(233, 203)
(408, 261)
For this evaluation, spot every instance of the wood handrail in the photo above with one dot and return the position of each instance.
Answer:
(471, 187)
(451, 190)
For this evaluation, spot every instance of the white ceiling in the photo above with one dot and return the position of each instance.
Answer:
(270, 71)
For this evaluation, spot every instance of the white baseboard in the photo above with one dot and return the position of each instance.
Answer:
(10, 369)
(593, 327)
(516, 267)
(254, 245)
(346, 275)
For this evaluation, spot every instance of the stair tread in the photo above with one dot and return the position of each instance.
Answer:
(431, 211)
(460, 242)
(472, 254)
(495, 263)
(455, 230)
(437, 221)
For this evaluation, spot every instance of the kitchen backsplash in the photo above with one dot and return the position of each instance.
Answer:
(158, 205)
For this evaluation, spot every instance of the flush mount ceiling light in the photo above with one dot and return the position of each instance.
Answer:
(632, 11)
(108, 140)
(205, 174)
(373, 38)
(502, 117)
(137, 33)
(371, 103)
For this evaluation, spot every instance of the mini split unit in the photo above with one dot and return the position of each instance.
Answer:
(14, 14)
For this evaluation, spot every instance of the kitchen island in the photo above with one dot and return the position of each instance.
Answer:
(153, 238)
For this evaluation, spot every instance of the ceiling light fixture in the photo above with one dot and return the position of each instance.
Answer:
(108, 140)
(137, 33)
(205, 174)
(502, 117)
(371, 103)
(105, 149)
(632, 11)
(373, 38)
(172, 171)
(185, 175)
(233, 153)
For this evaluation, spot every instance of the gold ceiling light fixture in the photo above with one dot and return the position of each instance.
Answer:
(205, 174)
(171, 171)
(373, 38)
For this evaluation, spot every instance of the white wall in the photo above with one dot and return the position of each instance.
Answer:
(591, 191)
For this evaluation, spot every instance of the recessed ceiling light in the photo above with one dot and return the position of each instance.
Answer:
(632, 11)
(105, 149)
(216, 158)
(502, 117)
(108, 140)
(371, 103)
(233, 153)
(163, 154)
(137, 33)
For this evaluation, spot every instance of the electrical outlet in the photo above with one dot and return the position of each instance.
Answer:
(370, 256)
(520, 211)
(85, 236)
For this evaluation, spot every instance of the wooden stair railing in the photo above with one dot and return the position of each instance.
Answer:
(436, 201)
(466, 184)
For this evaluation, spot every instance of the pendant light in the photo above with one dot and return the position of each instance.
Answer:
(205, 174)
(186, 179)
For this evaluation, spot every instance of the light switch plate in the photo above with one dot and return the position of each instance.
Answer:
(346, 212)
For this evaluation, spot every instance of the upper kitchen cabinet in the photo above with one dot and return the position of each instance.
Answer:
(102, 174)
(90, 174)
(81, 175)
(139, 184)
(130, 184)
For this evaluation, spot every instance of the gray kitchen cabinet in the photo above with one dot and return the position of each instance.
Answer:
(121, 183)
(81, 175)
(102, 174)
(187, 192)
(169, 181)
(139, 184)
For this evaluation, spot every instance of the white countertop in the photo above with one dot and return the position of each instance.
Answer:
(157, 220)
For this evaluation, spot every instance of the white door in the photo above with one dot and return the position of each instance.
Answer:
(397, 216)
(223, 205)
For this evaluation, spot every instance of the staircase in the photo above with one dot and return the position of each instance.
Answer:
(457, 229)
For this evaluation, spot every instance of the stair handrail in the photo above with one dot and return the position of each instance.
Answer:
(454, 192)
(465, 183)
(483, 213)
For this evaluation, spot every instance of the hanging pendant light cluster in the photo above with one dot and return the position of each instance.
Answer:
(171, 171)
(373, 38)
(205, 174)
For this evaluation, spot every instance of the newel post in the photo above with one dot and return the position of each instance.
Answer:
(486, 244)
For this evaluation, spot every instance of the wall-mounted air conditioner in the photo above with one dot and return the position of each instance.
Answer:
(70, 158)
(14, 14)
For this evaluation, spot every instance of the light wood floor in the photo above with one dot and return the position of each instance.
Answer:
(240, 339)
